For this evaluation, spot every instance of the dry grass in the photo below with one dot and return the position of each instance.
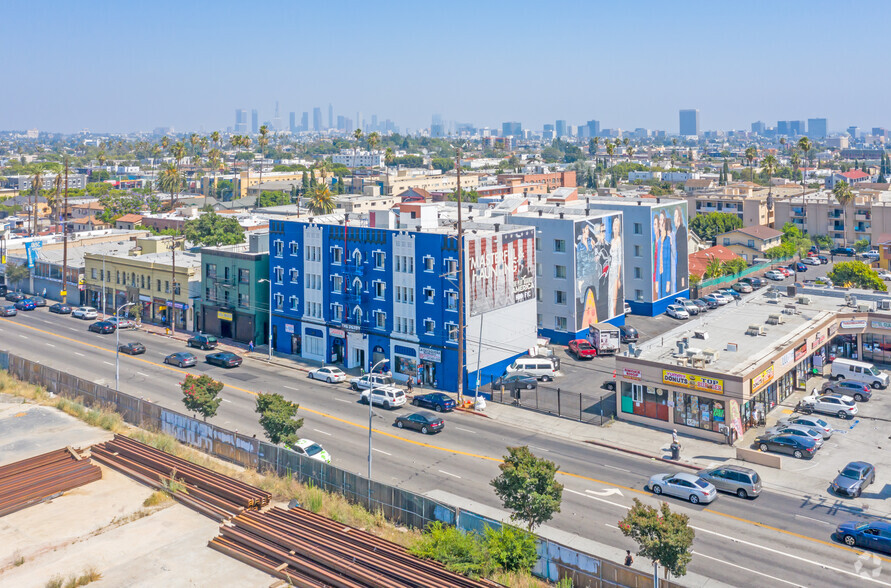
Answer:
(521, 580)
(17, 558)
(91, 574)
(156, 498)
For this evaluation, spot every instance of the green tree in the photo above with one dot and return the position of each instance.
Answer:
(806, 146)
(527, 487)
(861, 245)
(725, 169)
(714, 268)
(735, 266)
(212, 230)
(17, 273)
(321, 201)
(117, 203)
(662, 536)
(277, 418)
(200, 394)
(460, 552)
(844, 196)
(769, 166)
(443, 163)
(751, 154)
(707, 226)
(856, 274)
(272, 198)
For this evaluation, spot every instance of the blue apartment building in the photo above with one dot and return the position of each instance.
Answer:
(356, 295)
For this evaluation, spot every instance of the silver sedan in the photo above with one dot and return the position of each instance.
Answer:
(683, 485)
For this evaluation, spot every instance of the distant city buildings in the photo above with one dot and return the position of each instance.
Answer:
(689, 122)
(255, 121)
(511, 129)
(817, 128)
(241, 122)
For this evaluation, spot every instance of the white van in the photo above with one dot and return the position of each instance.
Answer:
(858, 371)
(541, 368)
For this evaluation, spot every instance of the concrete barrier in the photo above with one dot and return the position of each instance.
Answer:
(770, 460)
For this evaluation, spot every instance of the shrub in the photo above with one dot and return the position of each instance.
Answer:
(511, 548)
(463, 553)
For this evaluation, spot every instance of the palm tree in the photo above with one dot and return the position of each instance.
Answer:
(165, 142)
(53, 196)
(751, 154)
(795, 160)
(769, 165)
(36, 184)
(714, 268)
(389, 156)
(170, 179)
(263, 141)
(783, 143)
(610, 149)
(805, 145)
(844, 195)
(178, 151)
(214, 157)
(374, 140)
(629, 152)
(321, 201)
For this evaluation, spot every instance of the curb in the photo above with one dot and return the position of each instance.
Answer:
(470, 411)
(643, 454)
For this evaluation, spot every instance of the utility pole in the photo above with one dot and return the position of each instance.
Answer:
(172, 314)
(64, 291)
(460, 285)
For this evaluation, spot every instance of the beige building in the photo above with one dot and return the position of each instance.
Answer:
(145, 276)
(867, 217)
(398, 182)
(746, 200)
(750, 243)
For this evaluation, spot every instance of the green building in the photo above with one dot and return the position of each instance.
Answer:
(234, 302)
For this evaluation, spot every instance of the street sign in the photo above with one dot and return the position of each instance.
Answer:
(63, 292)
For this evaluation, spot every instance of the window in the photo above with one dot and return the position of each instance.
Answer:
(538, 320)
(278, 246)
(752, 243)
(560, 323)
(638, 229)
(380, 258)
(142, 282)
(699, 412)
(93, 273)
(429, 264)
(429, 327)
(167, 286)
(538, 244)
(726, 240)
(560, 272)
(117, 277)
(559, 297)
(451, 266)
(559, 246)
(293, 247)
(279, 275)
(207, 295)
(637, 273)
(279, 300)
(337, 312)
(380, 320)
(294, 275)
(293, 303)
(538, 269)
(380, 289)
(226, 273)
(637, 251)
(159, 286)
(336, 284)
(244, 276)
(453, 331)
(336, 254)
(638, 295)
(429, 293)
(244, 300)
(226, 296)
(538, 294)
(451, 301)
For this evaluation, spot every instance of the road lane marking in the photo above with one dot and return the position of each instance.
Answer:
(322, 432)
(538, 448)
(50, 345)
(225, 400)
(343, 400)
(622, 506)
(80, 354)
(289, 388)
(449, 474)
(23, 336)
(612, 467)
(143, 375)
(611, 526)
(812, 519)
(380, 451)
(700, 554)
(107, 363)
(465, 430)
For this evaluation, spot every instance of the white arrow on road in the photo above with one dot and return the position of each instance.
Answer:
(607, 492)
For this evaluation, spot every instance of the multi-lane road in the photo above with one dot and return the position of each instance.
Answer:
(779, 539)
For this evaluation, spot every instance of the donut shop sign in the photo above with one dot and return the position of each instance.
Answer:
(693, 382)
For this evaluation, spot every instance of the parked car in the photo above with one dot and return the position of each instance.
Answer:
(122, 322)
(517, 381)
(425, 422)
(309, 449)
(797, 447)
(39, 301)
(8, 310)
(627, 308)
(785, 271)
(25, 304)
(871, 254)
(102, 327)
(581, 349)
(855, 476)
(182, 359)
(371, 381)
(798, 431)
(14, 296)
(823, 259)
(858, 391)
(744, 482)
(225, 359)
(775, 275)
(703, 305)
(755, 281)
(835, 404)
(202, 341)
(386, 396)
(797, 266)
(543, 368)
(720, 299)
(135, 348)
(677, 311)
(691, 307)
(842, 251)
(436, 400)
(328, 373)
(810, 260)
(630, 334)
(86, 313)
(60, 308)
(885, 275)
(684, 485)
(743, 287)
(873, 535)
(731, 293)
(809, 421)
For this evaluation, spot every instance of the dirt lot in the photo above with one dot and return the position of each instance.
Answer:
(103, 525)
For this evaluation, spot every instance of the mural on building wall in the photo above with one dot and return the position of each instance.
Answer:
(499, 269)
(670, 267)
(599, 261)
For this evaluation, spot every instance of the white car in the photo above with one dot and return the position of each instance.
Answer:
(774, 275)
(718, 297)
(327, 373)
(677, 311)
(371, 380)
(843, 407)
(810, 260)
(885, 275)
(386, 396)
(808, 421)
(86, 313)
(121, 322)
(683, 485)
(687, 305)
(310, 449)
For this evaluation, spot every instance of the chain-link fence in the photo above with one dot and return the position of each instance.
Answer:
(587, 408)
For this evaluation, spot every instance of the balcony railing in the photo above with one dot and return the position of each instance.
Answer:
(353, 269)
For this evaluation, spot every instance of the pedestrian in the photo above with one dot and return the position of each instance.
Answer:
(251, 347)
(410, 386)
(628, 559)
(674, 436)
(814, 392)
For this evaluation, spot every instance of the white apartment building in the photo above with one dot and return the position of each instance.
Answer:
(351, 158)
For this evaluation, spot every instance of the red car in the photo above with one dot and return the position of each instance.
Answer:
(582, 349)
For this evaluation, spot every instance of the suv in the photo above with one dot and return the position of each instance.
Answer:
(386, 396)
(202, 341)
(743, 482)
(691, 307)
(755, 282)
(841, 406)
(371, 381)
(858, 391)
(842, 251)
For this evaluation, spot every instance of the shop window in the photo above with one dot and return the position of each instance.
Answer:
(698, 412)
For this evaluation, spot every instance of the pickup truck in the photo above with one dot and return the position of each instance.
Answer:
(371, 381)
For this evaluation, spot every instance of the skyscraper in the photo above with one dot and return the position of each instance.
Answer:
(255, 121)
(560, 128)
(689, 122)
(593, 128)
(511, 129)
(797, 127)
(240, 121)
(783, 127)
(758, 127)
(330, 115)
(317, 119)
(292, 122)
(816, 128)
(304, 122)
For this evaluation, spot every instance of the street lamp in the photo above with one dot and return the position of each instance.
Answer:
(269, 326)
(117, 344)
(374, 367)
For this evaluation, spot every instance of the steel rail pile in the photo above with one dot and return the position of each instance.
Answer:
(215, 495)
(43, 477)
(309, 550)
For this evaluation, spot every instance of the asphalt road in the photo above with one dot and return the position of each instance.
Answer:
(779, 539)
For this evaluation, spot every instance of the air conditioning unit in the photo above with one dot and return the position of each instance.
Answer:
(710, 355)
(700, 334)
(683, 361)
(804, 300)
(775, 319)
(755, 330)
(884, 304)
(863, 307)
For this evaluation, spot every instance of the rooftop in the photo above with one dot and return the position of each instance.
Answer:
(759, 232)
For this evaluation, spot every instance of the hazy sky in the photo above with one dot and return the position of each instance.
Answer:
(132, 66)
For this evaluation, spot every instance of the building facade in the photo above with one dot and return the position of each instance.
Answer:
(750, 243)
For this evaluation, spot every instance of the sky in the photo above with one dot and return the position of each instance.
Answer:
(112, 66)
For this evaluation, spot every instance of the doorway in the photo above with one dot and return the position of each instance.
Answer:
(295, 344)
(359, 356)
(226, 329)
(337, 351)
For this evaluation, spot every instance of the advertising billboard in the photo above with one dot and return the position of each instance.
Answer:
(599, 260)
(500, 270)
(669, 251)
(693, 381)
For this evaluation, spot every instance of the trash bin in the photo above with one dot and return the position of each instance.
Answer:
(675, 451)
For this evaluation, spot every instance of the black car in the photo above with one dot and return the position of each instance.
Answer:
(755, 282)
(8, 310)
(102, 327)
(135, 348)
(703, 305)
(182, 359)
(823, 259)
(202, 341)
(435, 400)
(515, 382)
(60, 308)
(798, 447)
(14, 296)
(425, 422)
(225, 359)
(708, 302)
(849, 251)
(629, 334)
